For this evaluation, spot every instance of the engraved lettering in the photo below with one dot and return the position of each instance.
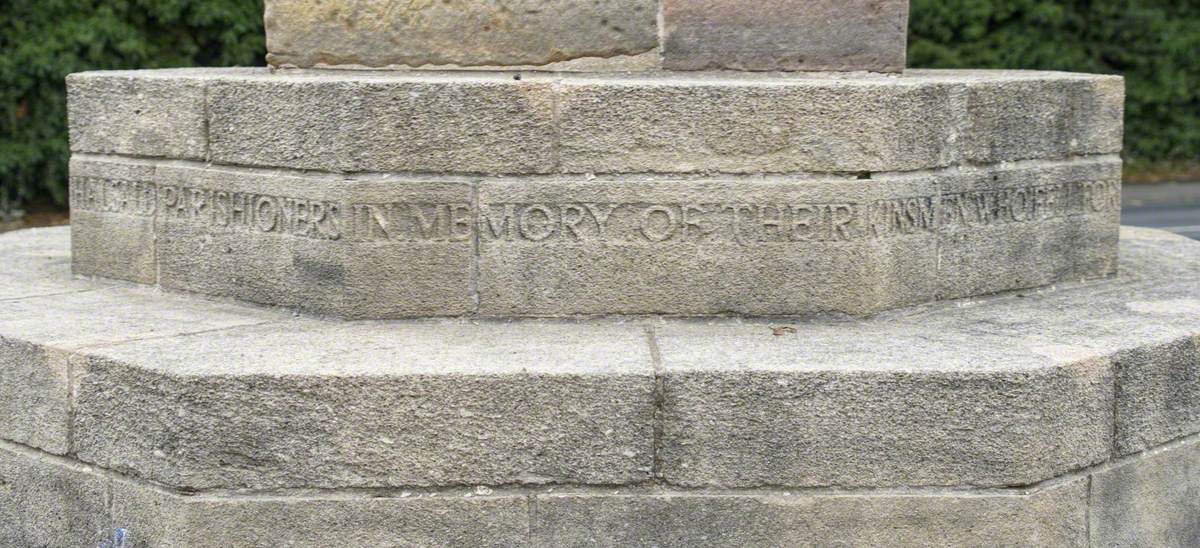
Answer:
(535, 229)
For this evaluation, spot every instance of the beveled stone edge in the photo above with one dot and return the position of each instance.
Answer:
(559, 83)
(659, 371)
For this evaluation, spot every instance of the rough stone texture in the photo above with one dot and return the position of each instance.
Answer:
(372, 33)
(146, 113)
(792, 423)
(1151, 500)
(155, 518)
(749, 124)
(37, 263)
(836, 35)
(1049, 517)
(490, 122)
(440, 122)
(38, 334)
(1160, 385)
(112, 219)
(704, 247)
(390, 246)
(193, 395)
(371, 405)
(1007, 391)
(34, 395)
(374, 247)
(1044, 118)
(1031, 225)
(48, 503)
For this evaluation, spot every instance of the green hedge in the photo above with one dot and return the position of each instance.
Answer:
(1154, 43)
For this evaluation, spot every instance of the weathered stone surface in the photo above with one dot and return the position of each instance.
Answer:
(372, 405)
(1161, 389)
(1000, 391)
(755, 124)
(308, 33)
(785, 34)
(368, 247)
(1152, 499)
(155, 518)
(39, 334)
(1030, 224)
(189, 393)
(1049, 517)
(35, 397)
(144, 113)
(48, 503)
(488, 122)
(390, 246)
(112, 219)
(439, 122)
(705, 247)
(1046, 115)
(793, 422)
(36, 263)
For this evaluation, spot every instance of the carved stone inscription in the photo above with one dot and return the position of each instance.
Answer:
(617, 222)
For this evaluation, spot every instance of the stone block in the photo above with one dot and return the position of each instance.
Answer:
(374, 247)
(112, 218)
(156, 518)
(1054, 516)
(748, 124)
(1043, 115)
(766, 246)
(310, 33)
(47, 502)
(147, 113)
(35, 398)
(1030, 224)
(759, 405)
(334, 405)
(39, 334)
(835, 35)
(427, 122)
(1152, 499)
(1160, 388)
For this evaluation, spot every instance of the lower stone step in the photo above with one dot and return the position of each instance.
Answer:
(1144, 500)
(1042, 418)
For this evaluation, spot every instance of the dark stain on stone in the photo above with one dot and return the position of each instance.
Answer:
(320, 272)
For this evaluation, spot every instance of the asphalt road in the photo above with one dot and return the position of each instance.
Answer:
(1170, 206)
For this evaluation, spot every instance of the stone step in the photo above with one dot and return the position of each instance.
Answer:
(486, 123)
(976, 421)
(393, 195)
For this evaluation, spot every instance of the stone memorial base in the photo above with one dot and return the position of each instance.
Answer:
(1067, 416)
(382, 195)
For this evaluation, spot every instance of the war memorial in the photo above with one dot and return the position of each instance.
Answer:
(597, 273)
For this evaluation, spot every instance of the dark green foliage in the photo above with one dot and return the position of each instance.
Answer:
(41, 41)
(1155, 44)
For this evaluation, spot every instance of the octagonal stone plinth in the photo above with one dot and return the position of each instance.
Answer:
(385, 195)
(983, 422)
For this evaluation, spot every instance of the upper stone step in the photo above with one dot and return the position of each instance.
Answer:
(424, 193)
(764, 35)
